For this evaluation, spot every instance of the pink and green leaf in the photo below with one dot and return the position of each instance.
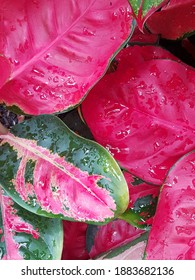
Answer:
(172, 233)
(55, 173)
(142, 204)
(52, 47)
(143, 113)
(26, 236)
(174, 20)
(143, 9)
(102, 239)
(133, 250)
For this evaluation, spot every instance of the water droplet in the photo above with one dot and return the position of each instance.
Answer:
(156, 145)
(88, 32)
(170, 220)
(43, 96)
(16, 62)
(56, 79)
(38, 72)
(113, 38)
(122, 10)
(37, 88)
(70, 82)
(183, 230)
(28, 93)
(191, 242)
(47, 56)
(175, 180)
(114, 15)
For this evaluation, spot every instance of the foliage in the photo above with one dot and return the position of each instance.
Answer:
(120, 183)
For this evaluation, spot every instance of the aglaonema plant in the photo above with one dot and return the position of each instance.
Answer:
(63, 196)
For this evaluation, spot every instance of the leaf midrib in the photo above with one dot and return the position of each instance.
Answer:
(37, 56)
(18, 141)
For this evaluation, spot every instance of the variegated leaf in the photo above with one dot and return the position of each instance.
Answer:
(54, 172)
(24, 235)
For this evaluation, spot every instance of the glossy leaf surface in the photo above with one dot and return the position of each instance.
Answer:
(54, 172)
(143, 113)
(175, 20)
(133, 250)
(142, 204)
(144, 9)
(74, 246)
(52, 47)
(172, 234)
(26, 236)
(101, 239)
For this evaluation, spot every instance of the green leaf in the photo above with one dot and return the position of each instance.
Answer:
(24, 235)
(145, 8)
(53, 172)
(143, 210)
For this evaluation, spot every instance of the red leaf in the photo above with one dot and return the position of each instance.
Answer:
(113, 235)
(141, 38)
(52, 47)
(74, 241)
(172, 234)
(144, 112)
(174, 20)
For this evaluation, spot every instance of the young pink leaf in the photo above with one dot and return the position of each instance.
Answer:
(101, 239)
(143, 9)
(174, 20)
(143, 113)
(52, 47)
(172, 234)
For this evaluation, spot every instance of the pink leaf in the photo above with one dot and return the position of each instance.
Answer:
(143, 113)
(172, 234)
(52, 47)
